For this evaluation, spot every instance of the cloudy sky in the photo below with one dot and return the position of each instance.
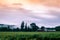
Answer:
(42, 12)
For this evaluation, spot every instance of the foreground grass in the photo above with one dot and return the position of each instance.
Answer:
(29, 35)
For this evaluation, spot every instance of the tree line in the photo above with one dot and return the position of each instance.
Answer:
(24, 27)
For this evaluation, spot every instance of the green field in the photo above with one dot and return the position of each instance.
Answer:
(29, 35)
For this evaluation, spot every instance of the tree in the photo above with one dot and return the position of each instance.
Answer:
(57, 28)
(26, 27)
(8, 28)
(42, 28)
(34, 27)
(22, 26)
(17, 29)
(3, 29)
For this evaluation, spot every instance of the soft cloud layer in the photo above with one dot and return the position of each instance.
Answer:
(44, 13)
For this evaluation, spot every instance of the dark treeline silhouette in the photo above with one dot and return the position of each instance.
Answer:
(24, 27)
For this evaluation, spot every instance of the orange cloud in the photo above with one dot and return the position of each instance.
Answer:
(55, 3)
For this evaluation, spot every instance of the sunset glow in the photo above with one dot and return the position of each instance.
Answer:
(43, 11)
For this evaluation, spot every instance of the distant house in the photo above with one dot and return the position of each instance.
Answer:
(39, 30)
(50, 29)
(47, 30)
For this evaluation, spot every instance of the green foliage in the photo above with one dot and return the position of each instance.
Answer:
(42, 28)
(26, 28)
(57, 28)
(34, 27)
(22, 26)
(29, 35)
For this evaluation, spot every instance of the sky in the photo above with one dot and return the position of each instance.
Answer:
(42, 12)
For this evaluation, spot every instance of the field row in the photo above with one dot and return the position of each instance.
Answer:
(29, 35)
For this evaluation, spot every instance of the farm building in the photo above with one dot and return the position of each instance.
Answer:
(50, 29)
(47, 30)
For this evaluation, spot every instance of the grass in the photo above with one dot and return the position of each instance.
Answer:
(29, 35)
